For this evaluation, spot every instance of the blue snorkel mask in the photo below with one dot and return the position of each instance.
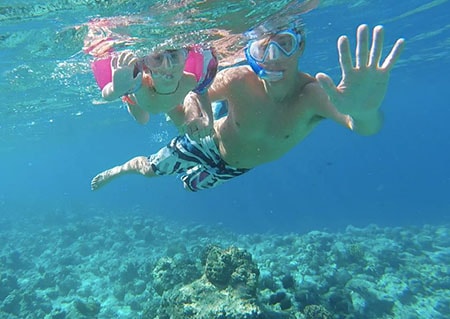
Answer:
(260, 71)
(272, 46)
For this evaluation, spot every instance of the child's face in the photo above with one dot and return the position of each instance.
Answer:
(167, 65)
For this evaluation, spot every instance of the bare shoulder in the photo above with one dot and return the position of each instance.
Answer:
(313, 90)
(238, 73)
(319, 105)
(233, 77)
(308, 83)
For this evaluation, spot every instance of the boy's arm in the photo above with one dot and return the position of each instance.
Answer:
(195, 116)
(363, 86)
(322, 106)
(198, 114)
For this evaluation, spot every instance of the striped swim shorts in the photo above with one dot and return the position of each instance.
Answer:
(199, 164)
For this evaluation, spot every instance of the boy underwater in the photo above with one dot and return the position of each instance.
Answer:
(272, 106)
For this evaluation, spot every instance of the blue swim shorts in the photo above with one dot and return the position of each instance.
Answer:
(199, 164)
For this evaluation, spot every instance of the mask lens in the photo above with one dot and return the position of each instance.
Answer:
(175, 57)
(154, 60)
(286, 42)
(257, 50)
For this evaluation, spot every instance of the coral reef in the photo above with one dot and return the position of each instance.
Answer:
(227, 289)
(316, 312)
(139, 267)
(232, 268)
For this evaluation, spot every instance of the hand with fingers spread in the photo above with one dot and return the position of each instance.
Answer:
(363, 85)
(123, 79)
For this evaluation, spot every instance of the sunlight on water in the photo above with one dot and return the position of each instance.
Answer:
(41, 58)
(419, 9)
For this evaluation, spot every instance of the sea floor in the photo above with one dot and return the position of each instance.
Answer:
(136, 266)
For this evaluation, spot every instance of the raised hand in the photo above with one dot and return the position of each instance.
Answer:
(363, 85)
(123, 79)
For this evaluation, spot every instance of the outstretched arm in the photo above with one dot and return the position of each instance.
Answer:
(363, 86)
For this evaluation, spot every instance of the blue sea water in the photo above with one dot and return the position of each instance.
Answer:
(345, 225)
(55, 135)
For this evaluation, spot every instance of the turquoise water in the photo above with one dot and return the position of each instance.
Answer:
(56, 134)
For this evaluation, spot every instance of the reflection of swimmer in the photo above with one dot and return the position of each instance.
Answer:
(272, 107)
(159, 82)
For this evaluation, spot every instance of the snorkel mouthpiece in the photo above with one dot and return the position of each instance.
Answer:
(260, 71)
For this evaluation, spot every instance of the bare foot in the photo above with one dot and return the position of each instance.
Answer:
(101, 179)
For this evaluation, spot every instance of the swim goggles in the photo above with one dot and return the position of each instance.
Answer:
(286, 42)
(258, 50)
(166, 58)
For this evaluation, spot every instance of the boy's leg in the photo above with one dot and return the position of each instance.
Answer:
(169, 160)
(137, 165)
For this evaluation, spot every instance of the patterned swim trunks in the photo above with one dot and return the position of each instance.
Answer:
(199, 163)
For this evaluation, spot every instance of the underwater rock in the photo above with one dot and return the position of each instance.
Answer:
(57, 314)
(307, 294)
(442, 305)
(16, 260)
(128, 272)
(316, 312)
(266, 281)
(277, 297)
(339, 301)
(47, 280)
(7, 284)
(11, 304)
(87, 308)
(227, 289)
(232, 267)
(367, 300)
(203, 300)
(175, 248)
(285, 304)
(165, 275)
(69, 283)
(170, 272)
(288, 281)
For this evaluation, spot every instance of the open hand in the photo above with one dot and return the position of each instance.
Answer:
(363, 86)
(124, 81)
